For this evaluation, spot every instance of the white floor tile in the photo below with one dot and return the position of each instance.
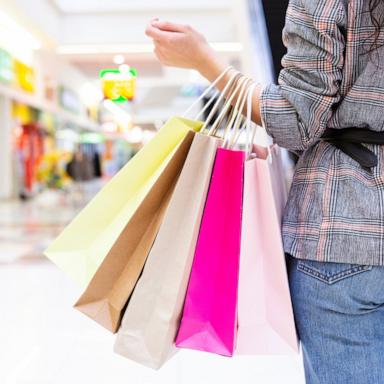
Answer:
(43, 340)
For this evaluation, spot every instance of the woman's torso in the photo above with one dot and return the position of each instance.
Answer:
(335, 210)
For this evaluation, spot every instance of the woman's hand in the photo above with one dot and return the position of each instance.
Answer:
(179, 45)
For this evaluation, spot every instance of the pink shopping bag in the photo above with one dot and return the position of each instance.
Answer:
(265, 317)
(209, 316)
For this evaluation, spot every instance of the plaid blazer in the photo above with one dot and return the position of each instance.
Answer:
(335, 209)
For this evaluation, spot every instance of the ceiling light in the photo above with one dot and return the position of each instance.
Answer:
(92, 49)
(124, 70)
(118, 59)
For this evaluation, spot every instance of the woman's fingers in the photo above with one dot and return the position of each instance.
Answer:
(153, 32)
(178, 45)
(169, 26)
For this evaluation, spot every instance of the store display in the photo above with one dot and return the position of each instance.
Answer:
(24, 76)
(29, 154)
(51, 172)
(69, 100)
(16, 73)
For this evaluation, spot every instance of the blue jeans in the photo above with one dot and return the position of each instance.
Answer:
(339, 316)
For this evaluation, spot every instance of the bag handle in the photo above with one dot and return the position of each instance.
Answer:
(251, 128)
(227, 104)
(205, 93)
(228, 87)
(219, 120)
(234, 126)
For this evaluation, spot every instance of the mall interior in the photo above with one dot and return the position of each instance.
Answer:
(65, 132)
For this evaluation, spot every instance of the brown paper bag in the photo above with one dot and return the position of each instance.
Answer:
(152, 317)
(109, 290)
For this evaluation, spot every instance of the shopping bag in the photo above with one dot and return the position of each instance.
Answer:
(209, 317)
(151, 320)
(109, 290)
(106, 296)
(84, 243)
(265, 317)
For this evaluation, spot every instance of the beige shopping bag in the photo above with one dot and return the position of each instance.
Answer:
(109, 290)
(152, 317)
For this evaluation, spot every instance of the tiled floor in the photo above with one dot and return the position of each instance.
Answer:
(43, 340)
(27, 227)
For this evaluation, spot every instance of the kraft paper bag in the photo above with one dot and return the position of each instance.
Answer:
(151, 320)
(265, 316)
(82, 246)
(109, 290)
(209, 317)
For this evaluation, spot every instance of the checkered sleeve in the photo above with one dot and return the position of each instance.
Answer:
(295, 112)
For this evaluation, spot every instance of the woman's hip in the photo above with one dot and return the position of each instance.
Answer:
(339, 316)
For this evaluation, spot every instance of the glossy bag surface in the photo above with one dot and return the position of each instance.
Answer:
(209, 316)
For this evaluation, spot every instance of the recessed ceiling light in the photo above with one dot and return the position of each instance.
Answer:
(118, 59)
(124, 69)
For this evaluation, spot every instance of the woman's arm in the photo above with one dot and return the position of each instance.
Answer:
(295, 112)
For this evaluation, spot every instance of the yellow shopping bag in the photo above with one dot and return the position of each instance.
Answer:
(82, 246)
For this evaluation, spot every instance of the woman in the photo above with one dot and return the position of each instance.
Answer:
(329, 99)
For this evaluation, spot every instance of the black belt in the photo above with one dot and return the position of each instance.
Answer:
(349, 140)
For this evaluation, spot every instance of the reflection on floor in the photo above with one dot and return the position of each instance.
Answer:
(44, 341)
(27, 227)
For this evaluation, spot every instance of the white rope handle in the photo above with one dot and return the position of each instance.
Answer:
(214, 109)
(251, 128)
(233, 126)
(227, 104)
(207, 90)
(250, 133)
(238, 127)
